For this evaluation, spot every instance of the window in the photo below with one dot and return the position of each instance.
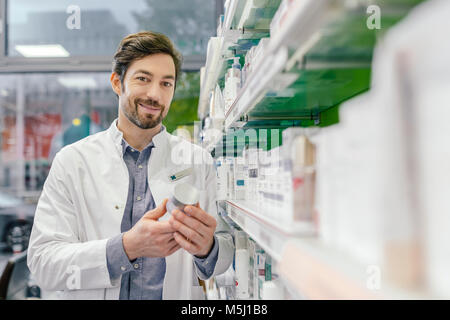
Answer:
(42, 112)
(77, 28)
(54, 73)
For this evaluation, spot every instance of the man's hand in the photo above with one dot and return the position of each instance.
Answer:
(194, 230)
(150, 237)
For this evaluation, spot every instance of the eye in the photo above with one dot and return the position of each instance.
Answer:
(167, 84)
(141, 78)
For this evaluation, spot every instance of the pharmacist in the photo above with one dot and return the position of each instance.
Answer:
(101, 230)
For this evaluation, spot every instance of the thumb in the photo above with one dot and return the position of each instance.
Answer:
(158, 212)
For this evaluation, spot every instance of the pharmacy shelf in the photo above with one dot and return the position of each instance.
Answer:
(312, 270)
(235, 36)
(268, 233)
(320, 58)
(310, 80)
(267, 74)
(259, 82)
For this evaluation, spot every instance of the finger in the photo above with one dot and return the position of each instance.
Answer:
(189, 233)
(191, 222)
(174, 248)
(158, 212)
(185, 244)
(201, 215)
(166, 238)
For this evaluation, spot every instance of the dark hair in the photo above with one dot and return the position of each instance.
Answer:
(139, 45)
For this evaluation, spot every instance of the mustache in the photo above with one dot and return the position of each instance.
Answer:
(148, 102)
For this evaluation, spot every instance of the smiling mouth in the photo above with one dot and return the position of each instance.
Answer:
(150, 110)
(149, 107)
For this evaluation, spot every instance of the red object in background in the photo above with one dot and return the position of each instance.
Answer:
(95, 117)
(39, 132)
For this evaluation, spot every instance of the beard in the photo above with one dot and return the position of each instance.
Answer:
(143, 121)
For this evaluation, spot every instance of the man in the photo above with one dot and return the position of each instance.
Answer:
(101, 230)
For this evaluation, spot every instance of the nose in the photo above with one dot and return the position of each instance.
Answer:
(153, 92)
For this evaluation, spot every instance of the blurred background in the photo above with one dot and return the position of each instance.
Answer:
(55, 90)
(352, 94)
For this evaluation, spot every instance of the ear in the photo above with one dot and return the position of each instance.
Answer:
(115, 83)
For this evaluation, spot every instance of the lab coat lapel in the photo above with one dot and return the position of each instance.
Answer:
(157, 167)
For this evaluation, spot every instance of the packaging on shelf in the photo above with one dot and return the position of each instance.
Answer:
(242, 261)
(240, 169)
(260, 262)
(226, 284)
(280, 16)
(221, 179)
(271, 179)
(232, 84)
(251, 159)
(430, 69)
(286, 183)
(220, 25)
(328, 191)
(248, 65)
(304, 182)
(230, 175)
(217, 109)
(251, 268)
(366, 183)
(212, 53)
(202, 77)
(259, 52)
(253, 57)
(354, 163)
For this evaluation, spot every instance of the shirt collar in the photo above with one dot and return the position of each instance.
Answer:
(158, 140)
(125, 144)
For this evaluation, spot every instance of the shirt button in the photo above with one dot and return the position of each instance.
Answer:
(138, 198)
(123, 268)
(136, 265)
(140, 166)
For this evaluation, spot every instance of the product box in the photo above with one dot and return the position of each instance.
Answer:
(286, 185)
(259, 52)
(240, 169)
(251, 158)
(280, 16)
(230, 174)
(221, 179)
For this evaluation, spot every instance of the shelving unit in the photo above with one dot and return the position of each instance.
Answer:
(268, 233)
(311, 269)
(319, 58)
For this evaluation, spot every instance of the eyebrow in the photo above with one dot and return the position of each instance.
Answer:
(151, 74)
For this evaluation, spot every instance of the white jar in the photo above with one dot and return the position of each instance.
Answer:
(184, 194)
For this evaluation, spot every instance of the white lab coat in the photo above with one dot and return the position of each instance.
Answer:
(82, 204)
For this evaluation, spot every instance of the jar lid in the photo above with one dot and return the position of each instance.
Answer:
(186, 193)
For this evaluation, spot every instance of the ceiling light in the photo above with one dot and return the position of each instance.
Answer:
(42, 51)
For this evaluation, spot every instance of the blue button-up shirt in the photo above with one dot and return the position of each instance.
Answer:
(143, 278)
